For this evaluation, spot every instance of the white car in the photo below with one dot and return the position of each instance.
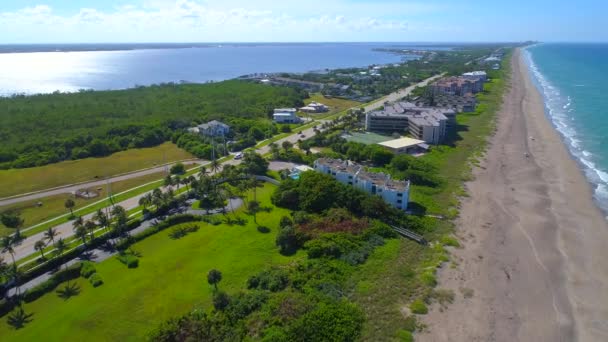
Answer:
(238, 155)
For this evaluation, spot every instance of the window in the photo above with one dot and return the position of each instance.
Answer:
(399, 201)
(399, 195)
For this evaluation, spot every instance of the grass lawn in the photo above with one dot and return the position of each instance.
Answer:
(335, 104)
(53, 206)
(171, 280)
(18, 181)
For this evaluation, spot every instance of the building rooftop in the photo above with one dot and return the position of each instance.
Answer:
(475, 73)
(284, 110)
(401, 143)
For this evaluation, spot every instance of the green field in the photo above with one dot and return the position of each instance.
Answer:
(170, 280)
(53, 206)
(368, 138)
(18, 181)
(335, 104)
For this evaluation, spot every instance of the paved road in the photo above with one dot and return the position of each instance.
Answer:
(65, 230)
(98, 183)
(398, 95)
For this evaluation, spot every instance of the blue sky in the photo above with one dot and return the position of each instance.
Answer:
(70, 21)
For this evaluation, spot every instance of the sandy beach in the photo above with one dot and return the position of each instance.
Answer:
(534, 244)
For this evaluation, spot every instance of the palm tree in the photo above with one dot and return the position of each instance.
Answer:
(102, 219)
(81, 232)
(39, 246)
(215, 165)
(50, 235)
(143, 201)
(70, 204)
(168, 181)
(203, 171)
(78, 222)
(214, 277)
(8, 246)
(90, 226)
(60, 247)
(120, 214)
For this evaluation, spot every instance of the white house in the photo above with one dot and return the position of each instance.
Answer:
(213, 129)
(395, 193)
(314, 107)
(285, 115)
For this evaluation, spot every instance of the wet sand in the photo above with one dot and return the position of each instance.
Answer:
(534, 244)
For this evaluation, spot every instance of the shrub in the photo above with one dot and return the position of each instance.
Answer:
(273, 280)
(289, 240)
(428, 278)
(221, 300)
(340, 321)
(263, 229)
(418, 307)
(129, 259)
(95, 280)
(37, 291)
(410, 323)
(405, 336)
(450, 241)
(88, 268)
(178, 169)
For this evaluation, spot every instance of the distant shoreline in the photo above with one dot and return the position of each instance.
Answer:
(97, 47)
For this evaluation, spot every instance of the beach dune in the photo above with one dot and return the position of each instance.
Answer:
(534, 262)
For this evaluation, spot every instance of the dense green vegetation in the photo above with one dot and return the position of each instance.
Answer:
(42, 129)
(351, 83)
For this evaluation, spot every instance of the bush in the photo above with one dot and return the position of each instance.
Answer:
(410, 323)
(87, 269)
(418, 307)
(36, 292)
(129, 259)
(405, 336)
(272, 280)
(289, 240)
(96, 280)
(428, 278)
(450, 241)
(341, 321)
(178, 169)
(221, 300)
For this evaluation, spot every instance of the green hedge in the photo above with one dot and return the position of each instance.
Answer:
(36, 292)
(88, 269)
(95, 280)
(130, 260)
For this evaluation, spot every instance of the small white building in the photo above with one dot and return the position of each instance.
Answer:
(394, 192)
(405, 145)
(213, 129)
(285, 115)
(476, 74)
(314, 107)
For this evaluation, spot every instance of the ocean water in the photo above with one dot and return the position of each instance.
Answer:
(573, 81)
(70, 69)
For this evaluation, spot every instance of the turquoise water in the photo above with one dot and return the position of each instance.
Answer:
(573, 80)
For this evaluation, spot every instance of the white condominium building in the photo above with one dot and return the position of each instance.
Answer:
(394, 192)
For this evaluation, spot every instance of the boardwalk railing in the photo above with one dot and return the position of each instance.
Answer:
(410, 235)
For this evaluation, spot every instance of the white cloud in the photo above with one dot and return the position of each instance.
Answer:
(232, 20)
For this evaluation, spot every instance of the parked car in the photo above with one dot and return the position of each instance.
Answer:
(238, 155)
